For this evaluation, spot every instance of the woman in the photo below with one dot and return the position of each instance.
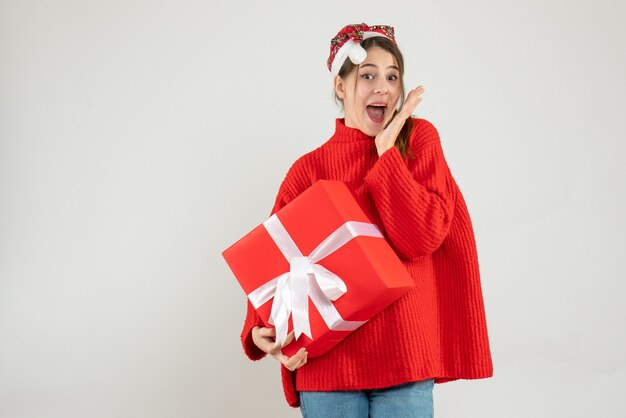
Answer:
(395, 167)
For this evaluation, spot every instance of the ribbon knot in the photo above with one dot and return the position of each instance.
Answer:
(305, 278)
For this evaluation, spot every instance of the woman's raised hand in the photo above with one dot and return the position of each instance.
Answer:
(264, 338)
(387, 137)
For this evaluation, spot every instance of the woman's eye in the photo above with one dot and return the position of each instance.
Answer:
(367, 76)
(392, 77)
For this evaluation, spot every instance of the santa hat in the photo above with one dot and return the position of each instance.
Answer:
(347, 44)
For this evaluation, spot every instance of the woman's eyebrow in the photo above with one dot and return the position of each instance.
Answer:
(372, 65)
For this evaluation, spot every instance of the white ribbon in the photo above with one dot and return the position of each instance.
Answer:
(305, 279)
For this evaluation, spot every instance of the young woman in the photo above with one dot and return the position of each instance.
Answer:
(395, 166)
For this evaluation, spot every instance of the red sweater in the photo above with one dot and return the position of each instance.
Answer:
(438, 330)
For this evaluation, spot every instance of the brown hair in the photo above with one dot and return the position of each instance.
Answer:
(388, 45)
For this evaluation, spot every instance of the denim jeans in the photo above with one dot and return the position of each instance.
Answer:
(413, 399)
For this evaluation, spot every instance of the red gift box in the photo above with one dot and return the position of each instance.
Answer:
(320, 263)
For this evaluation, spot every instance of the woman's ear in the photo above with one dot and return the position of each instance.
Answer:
(340, 87)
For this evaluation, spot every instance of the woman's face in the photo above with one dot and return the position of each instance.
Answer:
(370, 106)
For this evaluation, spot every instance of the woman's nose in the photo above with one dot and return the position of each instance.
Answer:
(381, 87)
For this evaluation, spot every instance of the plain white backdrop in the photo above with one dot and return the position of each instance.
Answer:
(139, 139)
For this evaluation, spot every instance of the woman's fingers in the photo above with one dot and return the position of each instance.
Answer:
(267, 332)
(265, 339)
(412, 99)
(278, 345)
(274, 348)
(416, 92)
(295, 361)
(300, 364)
(271, 332)
(291, 362)
(289, 337)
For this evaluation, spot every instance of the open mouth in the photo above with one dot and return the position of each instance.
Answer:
(376, 112)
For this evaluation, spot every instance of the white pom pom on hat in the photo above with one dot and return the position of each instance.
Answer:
(357, 54)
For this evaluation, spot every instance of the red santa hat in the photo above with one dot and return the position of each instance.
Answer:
(347, 44)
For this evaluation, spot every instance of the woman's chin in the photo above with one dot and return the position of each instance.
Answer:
(373, 128)
(372, 131)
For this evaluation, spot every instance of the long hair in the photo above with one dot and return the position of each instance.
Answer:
(348, 67)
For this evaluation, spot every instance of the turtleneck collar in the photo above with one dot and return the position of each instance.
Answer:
(345, 133)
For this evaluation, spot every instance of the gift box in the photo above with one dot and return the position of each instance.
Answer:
(318, 266)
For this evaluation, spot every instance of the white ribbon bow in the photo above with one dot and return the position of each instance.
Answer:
(305, 278)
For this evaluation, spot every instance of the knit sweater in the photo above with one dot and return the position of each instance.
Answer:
(437, 330)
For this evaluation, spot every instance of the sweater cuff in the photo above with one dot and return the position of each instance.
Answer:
(289, 386)
(252, 351)
(249, 347)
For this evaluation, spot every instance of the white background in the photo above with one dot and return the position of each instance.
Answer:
(139, 139)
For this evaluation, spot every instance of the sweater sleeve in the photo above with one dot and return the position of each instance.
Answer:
(414, 199)
(288, 190)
